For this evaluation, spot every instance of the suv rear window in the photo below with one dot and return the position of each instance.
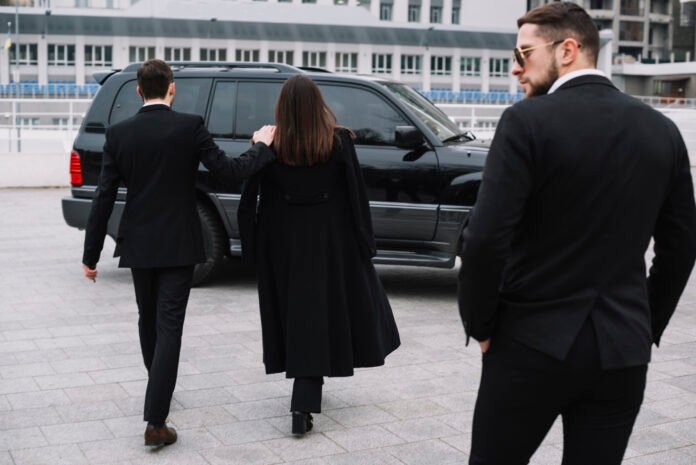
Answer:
(255, 106)
(191, 97)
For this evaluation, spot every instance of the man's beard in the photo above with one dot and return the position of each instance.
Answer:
(542, 87)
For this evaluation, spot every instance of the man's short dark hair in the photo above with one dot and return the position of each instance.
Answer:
(154, 77)
(560, 20)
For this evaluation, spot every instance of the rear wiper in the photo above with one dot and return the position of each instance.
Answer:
(468, 135)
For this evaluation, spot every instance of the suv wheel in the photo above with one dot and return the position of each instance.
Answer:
(214, 241)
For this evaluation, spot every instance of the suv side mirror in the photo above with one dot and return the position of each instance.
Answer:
(408, 137)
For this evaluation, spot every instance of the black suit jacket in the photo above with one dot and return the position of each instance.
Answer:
(156, 154)
(576, 185)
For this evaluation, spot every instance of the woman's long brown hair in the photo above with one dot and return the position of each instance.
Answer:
(304, 123)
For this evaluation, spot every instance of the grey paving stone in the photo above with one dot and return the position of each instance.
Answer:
(78, 365)
(72, 433)
(367, 457)
(23, 438)
(118, 375)
(309, 446)
(121, 361)
(673, 457)
(16, 346)
(123, 427)
(59, 342)
(364, 437)
(201, 417)
(52, 455)
(415, 408)
(243, 454)
(259, 391)
(26, 334)
(63, 381)
(461, 442)
(4, 404)
(38, 399)
(25, 370)
(26, 418)
(650, 440)
(547, 455)
(360, 416)
(259, 409)
(204, 398)
(354, 397)
(170, 456)
(96, 393)
(88, 411)
(427, 453)
(11, 386)
(243, 432)
(204, 381)
(113, 451)
(6, 458)
(73, 330)
(420, 429)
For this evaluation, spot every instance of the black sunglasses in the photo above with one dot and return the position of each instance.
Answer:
(519, 54)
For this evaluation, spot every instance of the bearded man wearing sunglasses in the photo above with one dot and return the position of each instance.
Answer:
(579, 179)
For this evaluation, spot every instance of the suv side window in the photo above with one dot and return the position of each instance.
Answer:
(372, 119)
(191, 97)
(256, 103)
(221, 120)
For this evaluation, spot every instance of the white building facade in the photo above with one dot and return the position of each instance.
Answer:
(452, 45)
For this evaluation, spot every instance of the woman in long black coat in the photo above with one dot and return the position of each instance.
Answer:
(323, 309)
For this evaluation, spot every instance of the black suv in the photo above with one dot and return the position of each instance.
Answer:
(422, 176)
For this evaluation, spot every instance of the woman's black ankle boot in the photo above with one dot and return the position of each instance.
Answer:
(302, 422)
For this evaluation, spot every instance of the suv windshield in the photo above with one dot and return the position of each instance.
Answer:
(429, 114)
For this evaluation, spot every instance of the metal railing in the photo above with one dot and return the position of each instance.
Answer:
(36, 125)
(667, 102)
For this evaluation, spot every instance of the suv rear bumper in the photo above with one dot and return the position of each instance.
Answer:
(76, 212)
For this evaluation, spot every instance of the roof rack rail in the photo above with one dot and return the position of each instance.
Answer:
(179, 65)
(313, 69)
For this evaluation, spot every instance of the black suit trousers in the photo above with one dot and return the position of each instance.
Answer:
(306, 394)
(162, 295)
(523, 391)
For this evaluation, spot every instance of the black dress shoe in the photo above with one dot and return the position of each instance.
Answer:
(302, 422)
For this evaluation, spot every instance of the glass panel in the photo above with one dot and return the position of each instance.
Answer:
(372, 119)
(222, 111)
(255, 107)
(429, 114)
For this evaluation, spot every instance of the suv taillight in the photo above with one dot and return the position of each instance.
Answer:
(75, 169)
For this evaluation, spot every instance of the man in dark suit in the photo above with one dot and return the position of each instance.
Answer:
(553, 285)
(156, 155)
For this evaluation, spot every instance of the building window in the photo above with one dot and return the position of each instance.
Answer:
(140, 54)
(414, 13)
(435, 14)
(632, 7)
(314, 59)
(61, 55)
(410, 64)
(346, 62)
(251, 55)
(177, 54)
(455, 15)
(381, 63)
(98, 55)
(385, 11)
(440, 65)
(213, 54)
(631, 31)
(499, 67)
(281, 56)
(470, 66)
(28, 54)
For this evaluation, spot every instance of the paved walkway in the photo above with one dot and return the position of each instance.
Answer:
(72, 381)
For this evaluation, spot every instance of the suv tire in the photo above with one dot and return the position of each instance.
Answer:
(214, 241)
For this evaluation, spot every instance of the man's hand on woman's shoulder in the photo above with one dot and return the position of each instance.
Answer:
(265, 135)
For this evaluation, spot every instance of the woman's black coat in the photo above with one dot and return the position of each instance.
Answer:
(323, 308)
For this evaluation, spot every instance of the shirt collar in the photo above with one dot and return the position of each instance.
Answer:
(155, 102)
(572, 75)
